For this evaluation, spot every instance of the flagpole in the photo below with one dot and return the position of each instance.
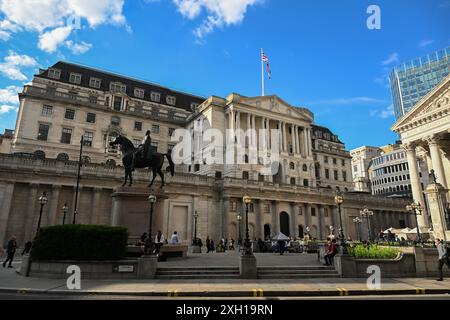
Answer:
(262, 72)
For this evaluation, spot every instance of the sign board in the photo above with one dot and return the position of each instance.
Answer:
(124, 269)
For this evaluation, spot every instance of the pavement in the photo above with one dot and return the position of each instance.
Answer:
(13, 283)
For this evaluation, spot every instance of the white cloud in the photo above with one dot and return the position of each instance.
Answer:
(5, 109)
(78, 48)
(13, 64)
(393, 58)
(425, 43)
(9, 95)
(385, 113)
(219, 12)
(52, 19)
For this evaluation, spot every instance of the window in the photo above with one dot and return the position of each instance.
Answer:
(334, 161)
(43, 132)
(95, 83)
(155, 97)
(88, 137)
(327, 174)
(171, 130)
(70, 114)
(336, 177)
(305, 182)
(300, 211)
(137, 126)
(66, 135)
(117, 87)
(90, 118)
(343, 162)
(117, 105)
(344, 175)
(305, 167)
(93, 99)
(115, 121)
(313, 212)
(325, 159)
(155, 129)
(291, 166)
(292, 180)
(251, 207)
(171, 100)
(139, 93)
(47, 110)
(54, 73)
(267, 208)
(75, 78)
(245, 175)
(233, 206)
(218, 175)
(197, 167)
(155, 146)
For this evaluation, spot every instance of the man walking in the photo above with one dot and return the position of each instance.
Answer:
(11, 250)
(443, 258)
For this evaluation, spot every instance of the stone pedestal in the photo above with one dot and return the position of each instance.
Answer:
(25, 266)
(147, 266)
(345, 265)
(131, 209)
(196, 249)
(436, 195)
(247, 267)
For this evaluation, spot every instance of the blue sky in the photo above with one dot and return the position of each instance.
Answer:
(322, 54)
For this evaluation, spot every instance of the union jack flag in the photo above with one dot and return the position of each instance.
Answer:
(266, 61)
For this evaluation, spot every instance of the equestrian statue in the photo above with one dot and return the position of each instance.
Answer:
(142, 157)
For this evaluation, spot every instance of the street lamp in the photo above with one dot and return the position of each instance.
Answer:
(366, 213)
(416, 208)
(194, 242)
(42, 201)
(339, 199)
(75, 210)
(239, 218)
(64, 209)
(149, 242)
(247, 245)
(358, 222)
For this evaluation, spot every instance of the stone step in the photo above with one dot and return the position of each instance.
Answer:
(198, 276)
(191, 272)
(296, 268)
(305, 272)
(198, 268)
(297, 276)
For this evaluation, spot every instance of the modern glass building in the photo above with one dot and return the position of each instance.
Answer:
(412, 80)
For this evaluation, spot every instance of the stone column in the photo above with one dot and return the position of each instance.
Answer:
(54, 205)
(259, 225)
(225, 213)
(276, 217)
(297, 139)
(285, 148)
(436, 159)
(308, 141)
(436, 198)
(331, 211)
(268, 138)
(293, 223)
(320, 216)
(293, 139)
(280, 135)
(262, 137)
(307, 212)
(96, 198)
(30, 212)
(415, 181)
(5, 202)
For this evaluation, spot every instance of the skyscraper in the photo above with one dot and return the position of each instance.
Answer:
(412, 80)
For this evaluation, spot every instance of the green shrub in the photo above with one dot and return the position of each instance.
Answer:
(373, 252)
(80, 242)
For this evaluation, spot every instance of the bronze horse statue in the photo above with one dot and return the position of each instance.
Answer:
(155, 162)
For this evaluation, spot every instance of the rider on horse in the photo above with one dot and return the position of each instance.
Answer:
(144, 151)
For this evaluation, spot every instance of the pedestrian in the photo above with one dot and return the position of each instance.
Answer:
(27, 248)
(208, 244)
(443, 258)
(213, 249)
(331, 251)
(174, 239)
(159, 241)
(10, 251)
(143, 238)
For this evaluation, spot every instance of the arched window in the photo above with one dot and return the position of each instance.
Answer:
(39, 154)
(115, 121)
(85, 160)
(62, 157)
(305, 167)
(111, 163)
(291, 166)
(246, 158)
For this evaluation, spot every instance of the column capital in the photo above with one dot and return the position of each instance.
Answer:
(433, 140)
(410, 146)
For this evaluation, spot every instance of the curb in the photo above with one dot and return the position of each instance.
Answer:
(256, 293)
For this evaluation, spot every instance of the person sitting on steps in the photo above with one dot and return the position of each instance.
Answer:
(144, 151)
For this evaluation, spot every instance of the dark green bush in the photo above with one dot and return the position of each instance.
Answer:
(80, 242)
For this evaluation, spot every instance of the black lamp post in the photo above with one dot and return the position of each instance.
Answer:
(194, 241)
(149, 241)
(64, 209)
(42, 201)
(80, 158)
(358, 222)
(339, 199)
(247, 245)
(416, 208)
(239, 218)
(366, 213)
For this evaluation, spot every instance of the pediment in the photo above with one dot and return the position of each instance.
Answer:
(277, 105)
(436, 103)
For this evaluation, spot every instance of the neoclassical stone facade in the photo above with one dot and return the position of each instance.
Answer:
(67, 101)
(425, 132)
